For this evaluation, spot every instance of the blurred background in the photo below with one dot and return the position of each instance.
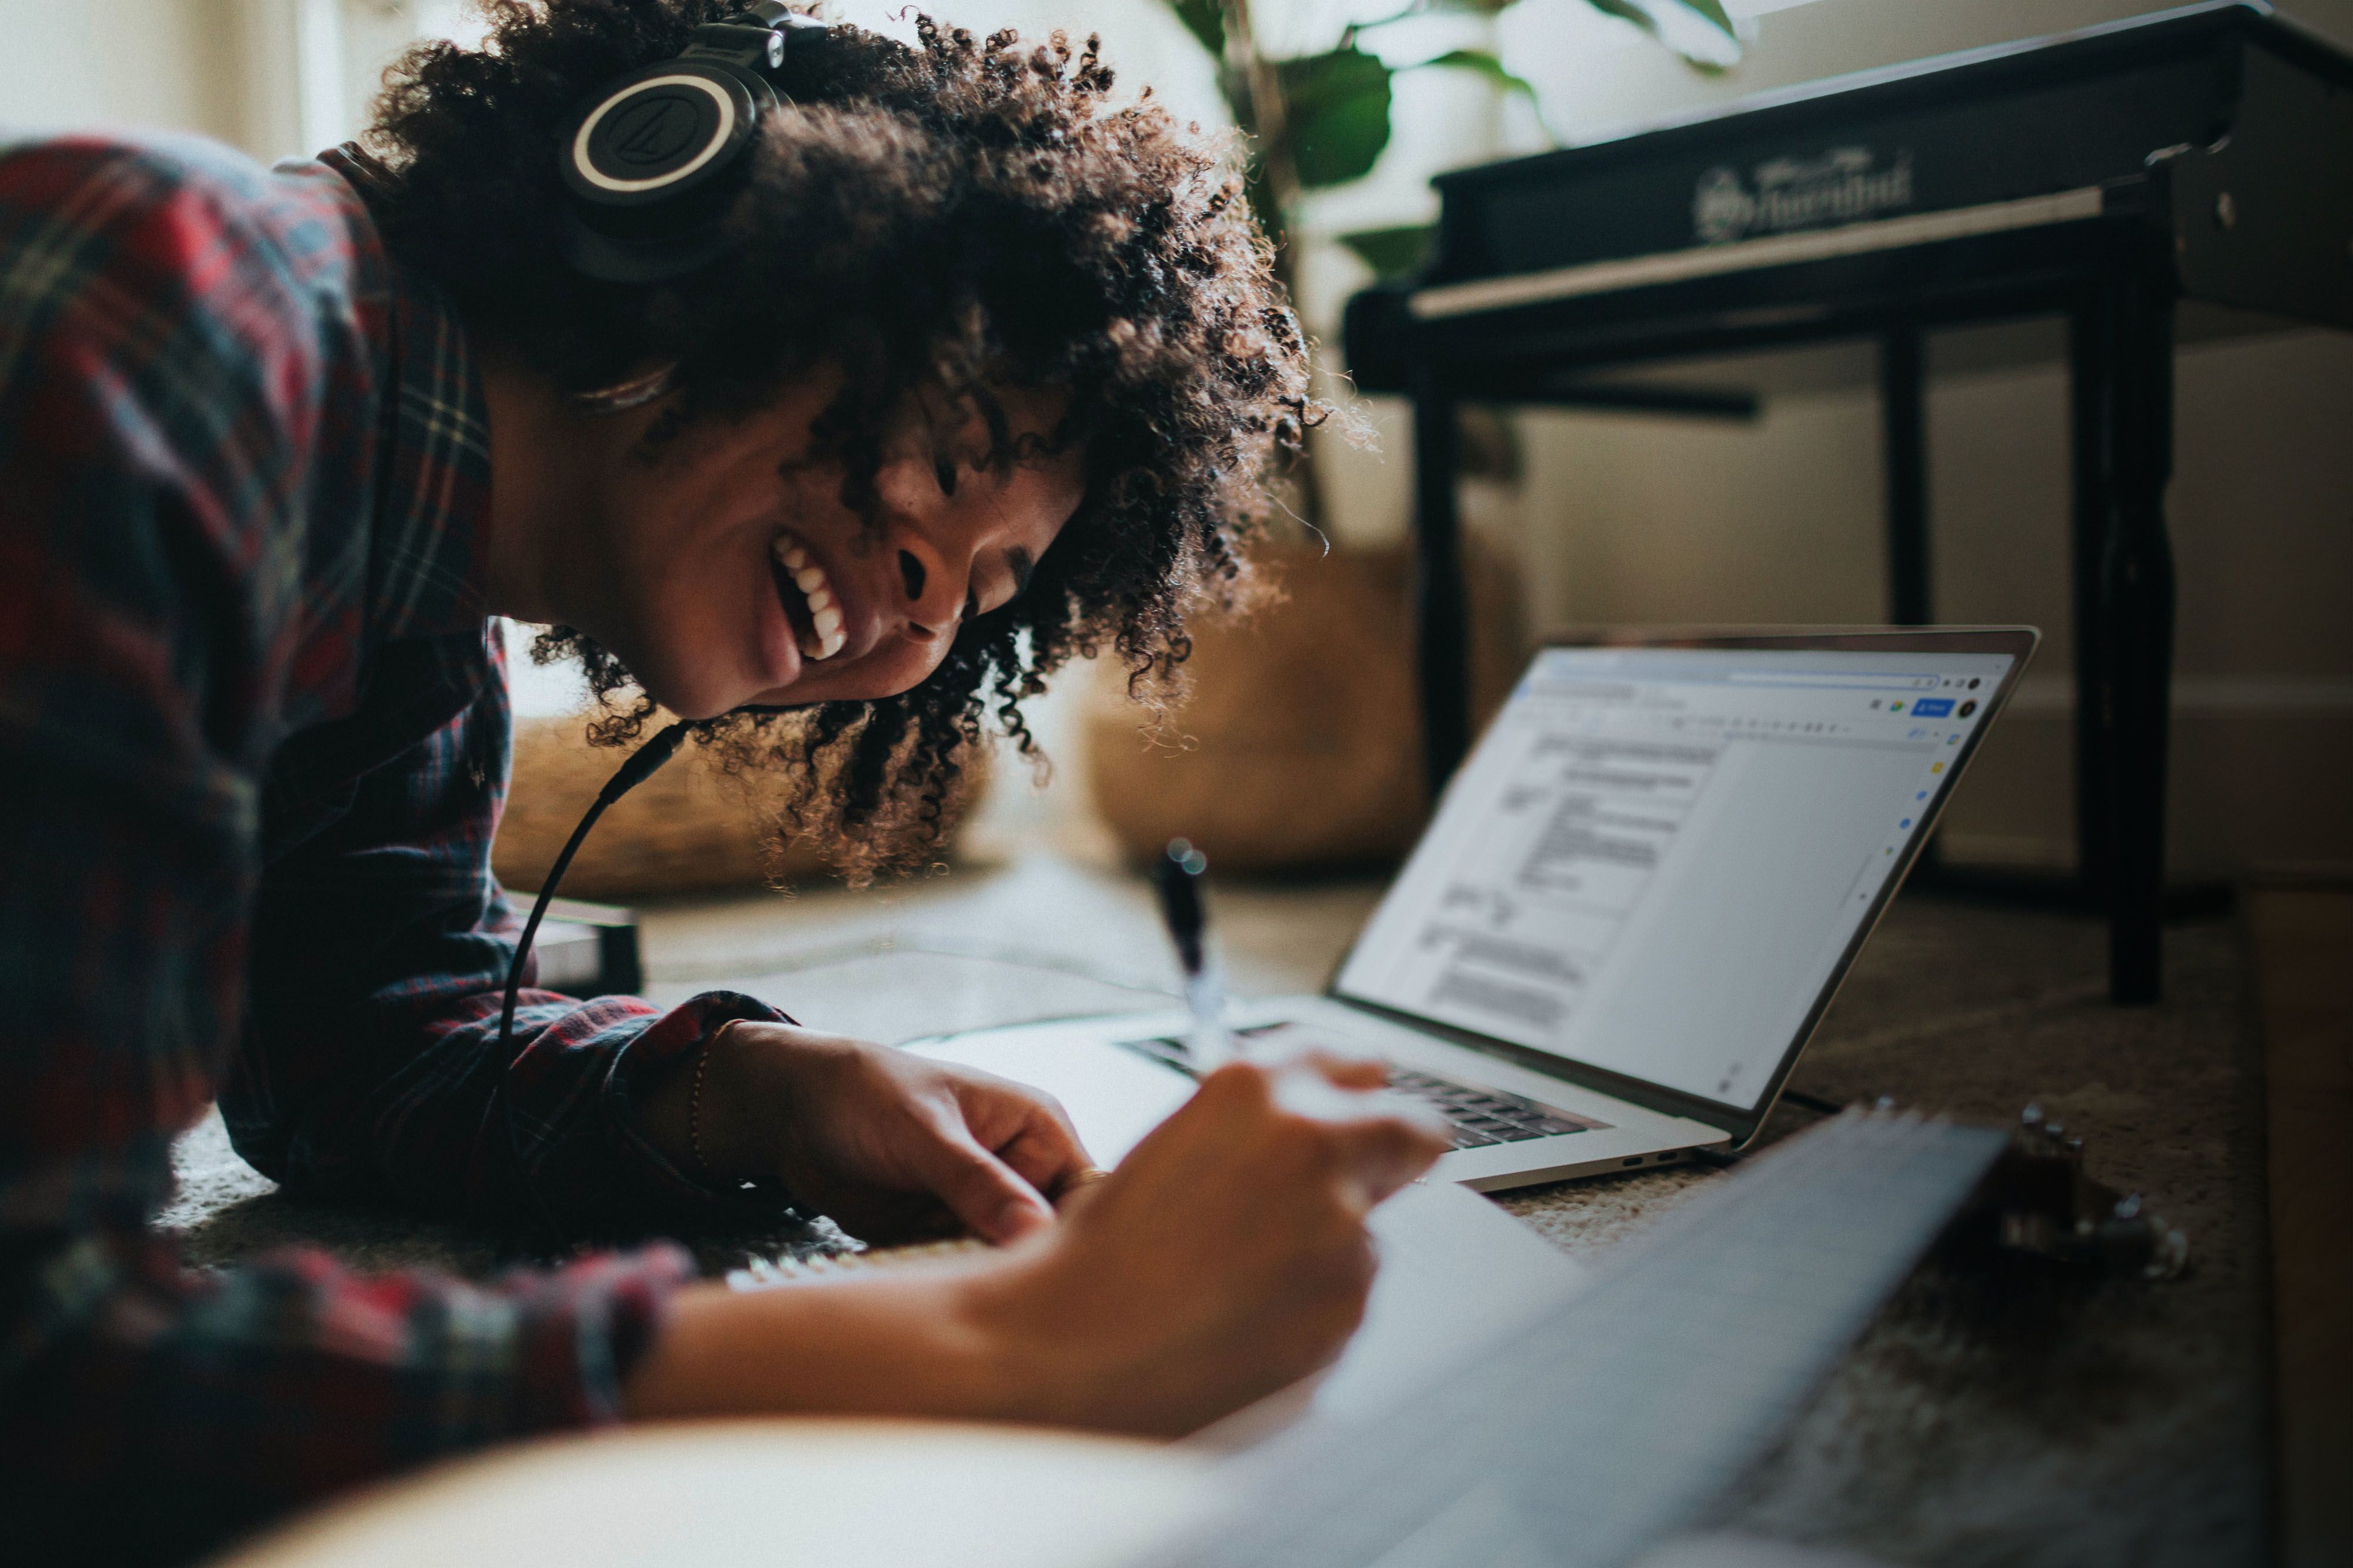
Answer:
(1578, 518)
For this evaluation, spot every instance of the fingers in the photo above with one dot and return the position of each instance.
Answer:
(982, 1190)
(1074, 1192)
(1381, 1153)
(1339, 1066)
(1027, 1127)
(1045, 1152)
(1350, 1072)
(1375, 1143)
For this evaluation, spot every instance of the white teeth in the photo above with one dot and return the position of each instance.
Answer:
(825, 613)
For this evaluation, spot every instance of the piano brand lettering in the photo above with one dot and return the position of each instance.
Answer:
(1843, 185)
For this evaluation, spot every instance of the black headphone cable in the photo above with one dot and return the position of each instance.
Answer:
(641, 765)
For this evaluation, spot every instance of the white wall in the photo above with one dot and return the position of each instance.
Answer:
(69, 65)
(274, 77)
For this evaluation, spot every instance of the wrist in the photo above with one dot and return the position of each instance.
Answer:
(1027, 1367)
(721, 1106)
(920, 1343)
(696, 1108)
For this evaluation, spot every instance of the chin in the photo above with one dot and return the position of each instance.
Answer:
(689, 694)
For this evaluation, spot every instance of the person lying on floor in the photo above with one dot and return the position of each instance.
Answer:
(964, 374)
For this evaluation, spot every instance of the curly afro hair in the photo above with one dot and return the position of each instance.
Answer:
(937, 219)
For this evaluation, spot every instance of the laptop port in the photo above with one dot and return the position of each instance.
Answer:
(1635, 1161)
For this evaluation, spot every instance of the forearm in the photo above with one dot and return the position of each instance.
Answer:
(409, 1103)
(918, 1343)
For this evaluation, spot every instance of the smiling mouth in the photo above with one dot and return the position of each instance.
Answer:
(807, 596)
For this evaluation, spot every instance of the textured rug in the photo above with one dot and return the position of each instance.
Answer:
(2027, 1424)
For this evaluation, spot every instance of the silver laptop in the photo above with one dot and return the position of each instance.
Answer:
(1634, 902)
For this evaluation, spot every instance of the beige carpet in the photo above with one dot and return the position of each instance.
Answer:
(2111, 1423)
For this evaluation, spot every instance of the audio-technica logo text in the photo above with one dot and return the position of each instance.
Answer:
(1843, 185)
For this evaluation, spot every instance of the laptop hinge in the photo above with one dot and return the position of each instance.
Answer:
(1738, 1129)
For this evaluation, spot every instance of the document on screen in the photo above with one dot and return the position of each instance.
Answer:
(1654, 858)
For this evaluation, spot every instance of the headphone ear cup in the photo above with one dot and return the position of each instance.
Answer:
(653, 163)
(663, 132)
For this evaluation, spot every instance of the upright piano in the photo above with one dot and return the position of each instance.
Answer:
(2204, 152)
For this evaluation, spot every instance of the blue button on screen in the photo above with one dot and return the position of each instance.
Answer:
(1932, 707)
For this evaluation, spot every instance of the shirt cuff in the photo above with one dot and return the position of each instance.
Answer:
(678, 1032)
(584, 1327)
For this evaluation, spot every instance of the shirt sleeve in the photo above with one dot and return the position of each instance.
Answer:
(372, 1068)
(164, 374)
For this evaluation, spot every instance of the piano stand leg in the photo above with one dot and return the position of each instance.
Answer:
(1904, 426)
(1441, 609)
(1904, 414)
(2123, 361)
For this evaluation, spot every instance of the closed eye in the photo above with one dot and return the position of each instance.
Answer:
(1022, 565)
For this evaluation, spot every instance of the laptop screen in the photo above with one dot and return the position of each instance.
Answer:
(1656, 859)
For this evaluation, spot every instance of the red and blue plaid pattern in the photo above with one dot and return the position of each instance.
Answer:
(253, 746)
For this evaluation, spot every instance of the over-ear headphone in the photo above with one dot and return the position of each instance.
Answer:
(656, 157)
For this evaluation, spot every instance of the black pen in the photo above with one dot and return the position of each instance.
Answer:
(1177, 876)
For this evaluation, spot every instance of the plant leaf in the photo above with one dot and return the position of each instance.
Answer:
(1392, 252)
(1644, 14)
(1487, 65)
(1338, 107)
(1713, 13)
(1476, 7)
(1206, 20)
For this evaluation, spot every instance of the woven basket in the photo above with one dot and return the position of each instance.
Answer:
(691, 828)
(1300, 747)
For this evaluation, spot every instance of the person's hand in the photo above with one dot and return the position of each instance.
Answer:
(1225, 1259)
(890, 1144)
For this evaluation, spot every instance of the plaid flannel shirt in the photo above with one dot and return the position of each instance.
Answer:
(253, 745)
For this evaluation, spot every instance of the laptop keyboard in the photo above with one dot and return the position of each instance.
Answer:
(1482, 1116)
(1479, 1117)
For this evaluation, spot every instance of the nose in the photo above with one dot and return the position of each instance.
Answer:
(933, 584)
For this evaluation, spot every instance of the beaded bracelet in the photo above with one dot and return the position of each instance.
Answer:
(694, 1106)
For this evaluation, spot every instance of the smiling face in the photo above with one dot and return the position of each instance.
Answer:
(734, 574)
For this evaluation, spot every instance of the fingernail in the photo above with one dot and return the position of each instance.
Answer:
(1018, 1218)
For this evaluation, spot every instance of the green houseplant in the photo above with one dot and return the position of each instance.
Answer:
(1320, 119)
